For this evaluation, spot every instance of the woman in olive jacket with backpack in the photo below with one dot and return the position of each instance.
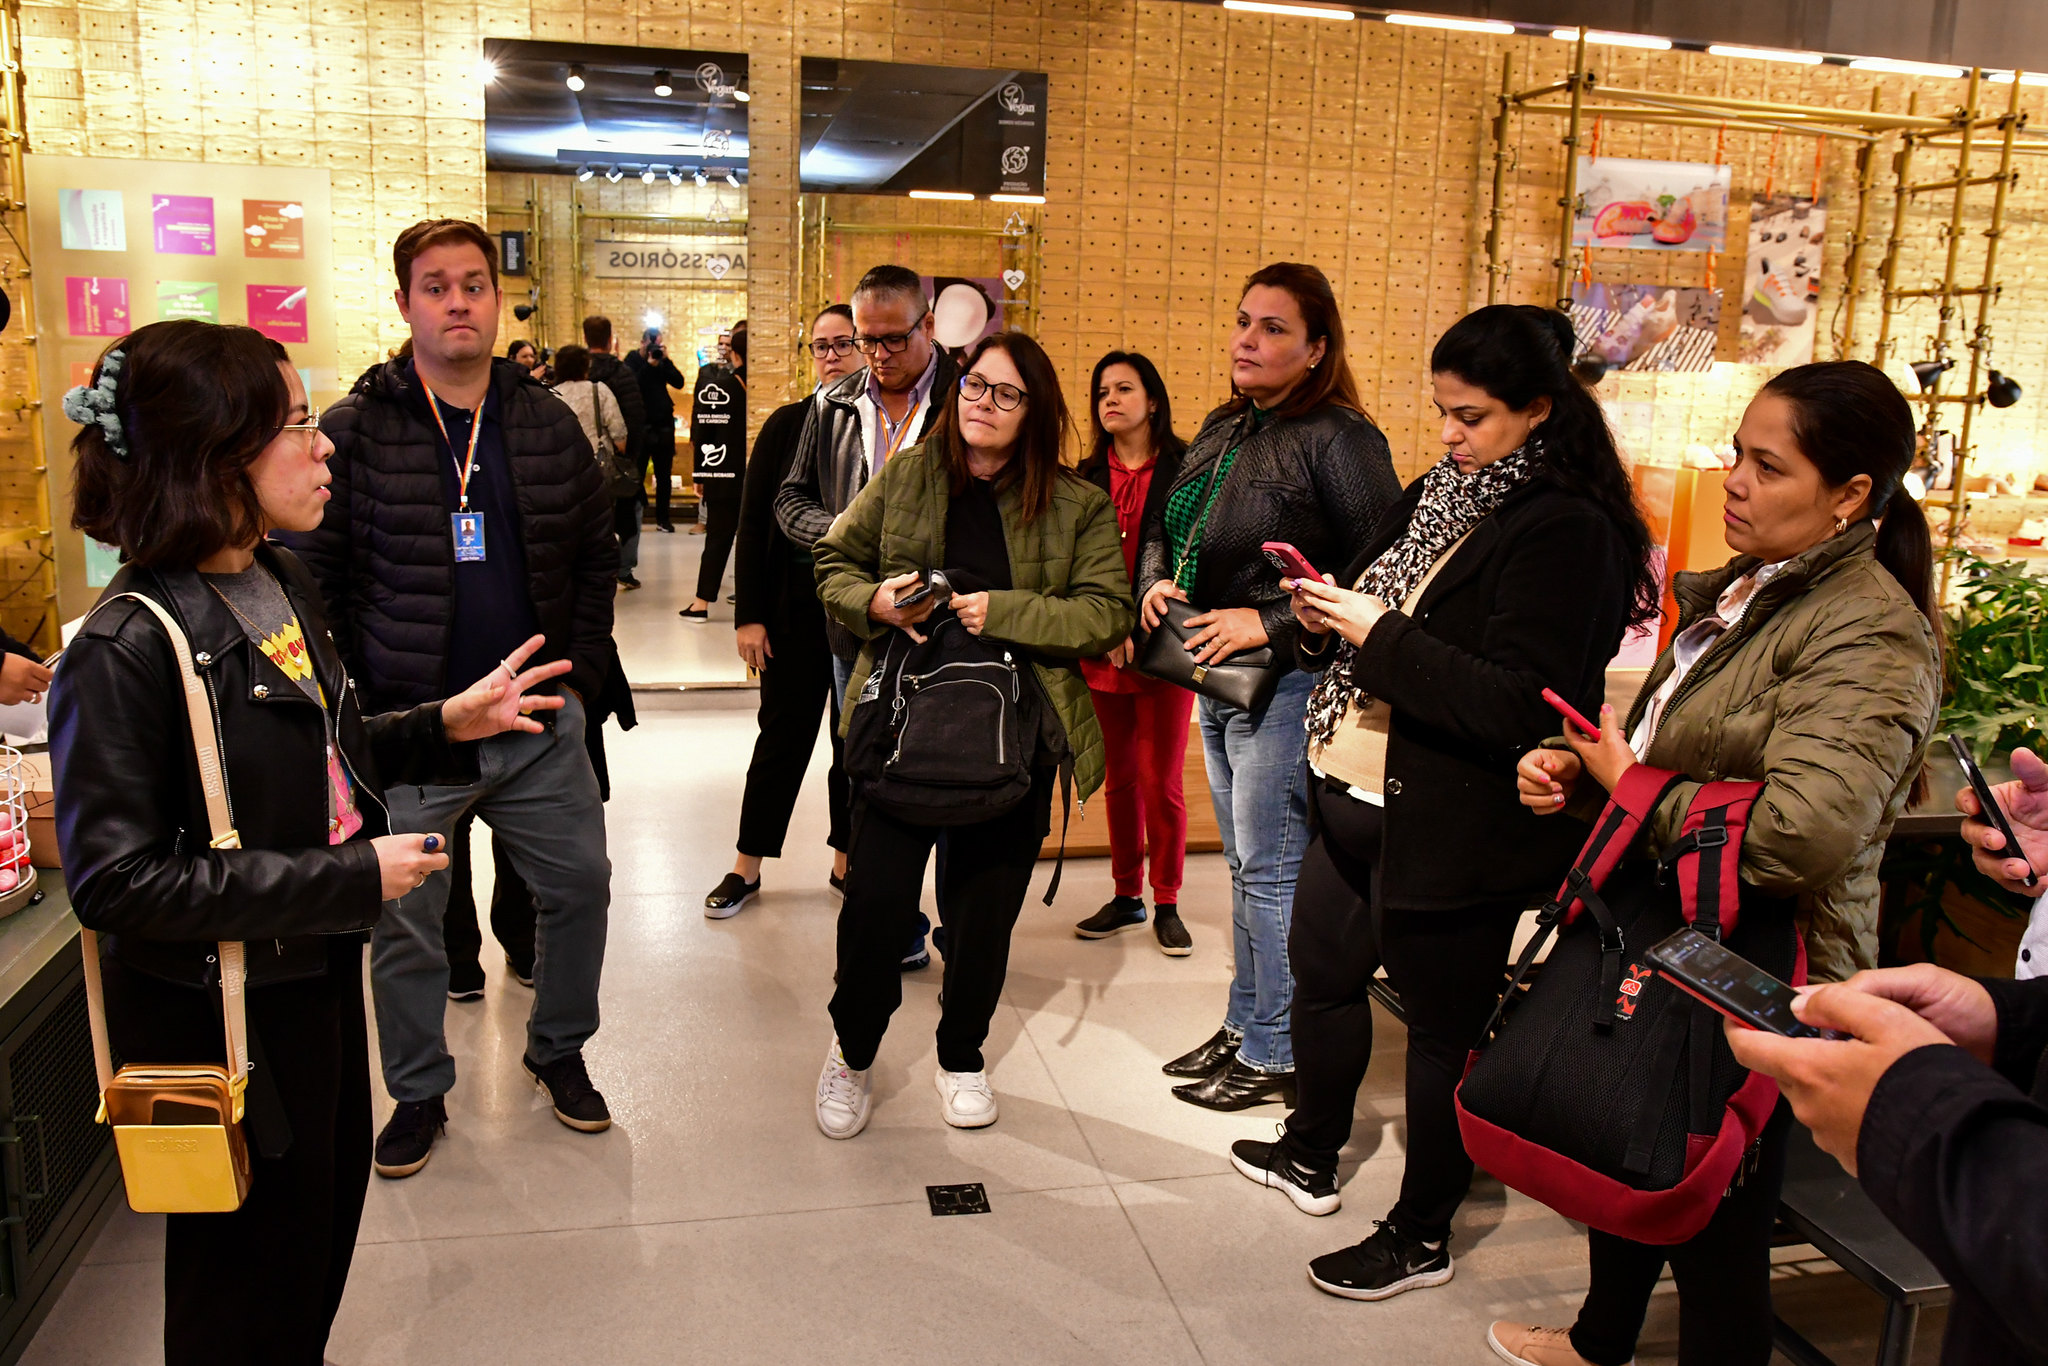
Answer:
(1031, 552)
(1811, 663)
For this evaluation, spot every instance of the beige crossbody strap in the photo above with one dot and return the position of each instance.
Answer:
(213, 781)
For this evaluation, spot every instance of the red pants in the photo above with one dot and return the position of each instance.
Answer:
(1145, 742)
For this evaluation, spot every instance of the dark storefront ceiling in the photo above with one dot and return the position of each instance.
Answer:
(534, 122)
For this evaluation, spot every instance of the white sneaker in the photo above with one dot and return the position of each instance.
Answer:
(965, 1100)
(843, 1096)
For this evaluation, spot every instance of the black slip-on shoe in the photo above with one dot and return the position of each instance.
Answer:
(465, 981)
(408, 1137)
(1117, 915)
(1382, 1266)
(1217, 1051)
(1173, 937)
(1312, 1190)
(1239, 1087)
(730, 896)
(694, 614)
(567, 1086)
(522, 973)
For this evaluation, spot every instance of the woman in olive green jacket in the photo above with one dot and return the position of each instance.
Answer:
(1811, 663)
(1032, 555)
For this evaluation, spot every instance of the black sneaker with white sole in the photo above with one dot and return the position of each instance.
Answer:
(1117, 915)
(408, 1137)
(522, 973)
(730, 896)
(1172, 935)
(567, 1086)
(1312, 1190)
(466, 981)
(1382, 1266)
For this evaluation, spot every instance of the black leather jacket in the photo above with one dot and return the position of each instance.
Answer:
(1319, 482)
(131, 816)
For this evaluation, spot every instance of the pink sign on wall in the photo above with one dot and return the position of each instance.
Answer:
(96, 305)
(278, 311)
(183, 224)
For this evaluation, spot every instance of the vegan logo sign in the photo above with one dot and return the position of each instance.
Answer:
(712, 77)
(1011, 97)
(696, 260)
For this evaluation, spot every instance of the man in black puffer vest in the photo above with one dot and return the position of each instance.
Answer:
(466, 513)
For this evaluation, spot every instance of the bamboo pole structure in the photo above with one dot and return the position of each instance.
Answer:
(29, 406)
(1496, 273)
(1945, 315)
(1888, 273)
(1563, 293)
(1852, 277)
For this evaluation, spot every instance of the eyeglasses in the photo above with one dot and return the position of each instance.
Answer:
(311, 425)
(837, 346)
(1008, 397)
(895, 344)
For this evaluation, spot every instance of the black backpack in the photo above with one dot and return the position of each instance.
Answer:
(944, 732)
(1603, 1090)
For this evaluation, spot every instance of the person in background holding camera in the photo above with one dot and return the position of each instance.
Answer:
(782, 638)
(1810, 663)
(1514, 564)
(197, 442)
(1291, 457)
(1144, 720)
(658, 377)
(1030, 551)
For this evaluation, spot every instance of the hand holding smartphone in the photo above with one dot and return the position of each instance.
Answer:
(1290, 562)
(1992, 813)
(1706, 970)
(1570, 713)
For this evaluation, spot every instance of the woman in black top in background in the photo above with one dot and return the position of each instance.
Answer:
(1512, 565)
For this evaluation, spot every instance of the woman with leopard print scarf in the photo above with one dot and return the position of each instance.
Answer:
(1513, 564)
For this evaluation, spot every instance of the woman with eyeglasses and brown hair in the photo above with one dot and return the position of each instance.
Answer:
(1030, 551)
(197, 443)
(1291, 457)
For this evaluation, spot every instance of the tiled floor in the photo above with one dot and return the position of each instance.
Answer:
(714, 1224)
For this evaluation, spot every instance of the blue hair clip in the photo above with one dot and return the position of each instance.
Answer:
(95, 406)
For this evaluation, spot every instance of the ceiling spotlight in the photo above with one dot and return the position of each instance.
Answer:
(486, 70)
(742, 96)
(675, 177)
(584, 173)
(2003, 390)
(662, 85)
(523, 311)
(575, 78)
(1928, 371)
(1589, 368)
(701, 179)
(647, 176)
(614, 175)
(650, 319)
(732, 180)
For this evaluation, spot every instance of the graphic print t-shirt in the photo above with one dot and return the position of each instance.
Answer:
(266, 616)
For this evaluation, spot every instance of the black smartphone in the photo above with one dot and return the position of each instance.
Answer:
(1706, 969)
(917, 594)
(1993, 814)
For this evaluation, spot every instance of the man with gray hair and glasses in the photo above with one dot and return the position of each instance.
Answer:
(855, 425)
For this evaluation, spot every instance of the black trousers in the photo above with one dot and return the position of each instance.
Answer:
(1449, 967)
(1723, 1275)
(659, 449)
(721, 524)
(988, 868)
(796, 687)
(261, 1285)
(513, 913)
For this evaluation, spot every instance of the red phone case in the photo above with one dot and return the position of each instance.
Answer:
(1569, 712)
(1292, 562)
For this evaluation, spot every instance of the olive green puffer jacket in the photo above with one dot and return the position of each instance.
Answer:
(1827, 690)
(1071, 599)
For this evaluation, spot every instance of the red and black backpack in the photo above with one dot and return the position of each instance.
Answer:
(1601, 1089)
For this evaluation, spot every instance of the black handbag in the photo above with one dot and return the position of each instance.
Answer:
(1246, 680)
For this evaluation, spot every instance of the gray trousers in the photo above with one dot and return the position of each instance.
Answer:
(539, 795)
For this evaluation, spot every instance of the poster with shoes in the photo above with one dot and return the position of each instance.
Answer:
(1651, 205)
(1781, 280)
(1646, 327)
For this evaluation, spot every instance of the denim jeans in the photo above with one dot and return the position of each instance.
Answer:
(1258, 780)
(539, 795)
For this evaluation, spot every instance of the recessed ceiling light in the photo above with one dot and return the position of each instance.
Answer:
(941, 194)
(1603, 38)
(1456, 25)
(742, 96)
(1765, 54)
(1290, 11)
(1895, 67)
(1016, 199)
(575, 78)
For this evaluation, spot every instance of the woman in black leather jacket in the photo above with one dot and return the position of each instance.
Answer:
(1291, 457)
(197, 442)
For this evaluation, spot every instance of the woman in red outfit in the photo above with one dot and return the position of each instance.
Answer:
(1144, 720)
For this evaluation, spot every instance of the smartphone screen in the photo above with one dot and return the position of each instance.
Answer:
(1730, 983)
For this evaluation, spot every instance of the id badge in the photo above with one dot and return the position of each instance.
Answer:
(469, 536)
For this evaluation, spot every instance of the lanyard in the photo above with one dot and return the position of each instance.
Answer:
(895, 442)
(467, 466)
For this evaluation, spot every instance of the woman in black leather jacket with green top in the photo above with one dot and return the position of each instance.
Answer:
(197, 442)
